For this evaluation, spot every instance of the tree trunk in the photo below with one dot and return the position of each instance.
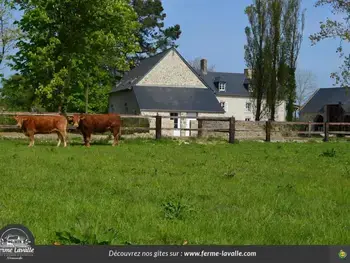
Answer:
(66, 87)
(291, 94)
(86, 99)
(258, 106)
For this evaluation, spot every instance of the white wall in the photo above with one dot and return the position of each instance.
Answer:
(236, 107)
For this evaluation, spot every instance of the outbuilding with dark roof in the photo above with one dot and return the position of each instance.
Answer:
(337, 101)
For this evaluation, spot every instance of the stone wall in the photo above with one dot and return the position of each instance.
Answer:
(244, 129)
(166, 122)
(253, 130)
(172, 71)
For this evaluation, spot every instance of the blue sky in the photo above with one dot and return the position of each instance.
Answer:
(214, 29)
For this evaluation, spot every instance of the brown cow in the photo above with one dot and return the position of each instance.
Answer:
(90, 123)
(32, 125)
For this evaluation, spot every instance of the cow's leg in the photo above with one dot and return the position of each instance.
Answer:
(85, 140)
(64, 138)
(116, 133)
(31, 138)
(88, 139)
(59, 139)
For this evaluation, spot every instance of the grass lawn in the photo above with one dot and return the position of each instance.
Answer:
(164, 192)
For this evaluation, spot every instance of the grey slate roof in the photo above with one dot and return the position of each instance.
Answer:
(327, 96)
(182, 99)
(137, 73)
(234, 83)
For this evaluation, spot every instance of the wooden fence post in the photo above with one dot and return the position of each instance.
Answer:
(200, 126)
(268, 131)
(158, 127)
(309, 128)
(326, 132)
(232, 128)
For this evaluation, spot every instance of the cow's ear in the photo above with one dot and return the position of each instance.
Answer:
(69, 118)
(82, 117)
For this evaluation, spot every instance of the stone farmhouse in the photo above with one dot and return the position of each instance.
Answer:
(167, 85)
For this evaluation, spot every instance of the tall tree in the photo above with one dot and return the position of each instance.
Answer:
(273, 44)
(255, 53)
(275, 57)
(337, 29)
(293, 26)
(153, 36)
(67, 40)
(196, 64)
(9, 33)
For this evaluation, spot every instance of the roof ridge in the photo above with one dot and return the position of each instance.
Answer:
(332, 88)
(224, 72)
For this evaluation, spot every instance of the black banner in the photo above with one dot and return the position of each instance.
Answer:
(244, 254)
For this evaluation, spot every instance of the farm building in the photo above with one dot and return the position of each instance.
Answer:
(167, 85)
(336, 100)
(232, 91)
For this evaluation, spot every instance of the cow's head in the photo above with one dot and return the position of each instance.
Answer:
(20, 120)
(76, 119)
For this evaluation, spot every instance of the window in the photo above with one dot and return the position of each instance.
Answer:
(248, 106)
(222, 86)
(247, 119)
(176, 120)
(223, 104)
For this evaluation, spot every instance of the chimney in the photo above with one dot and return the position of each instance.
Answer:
(204, 66)
(248, 73)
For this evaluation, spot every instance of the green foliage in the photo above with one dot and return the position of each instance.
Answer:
(67, 46)
(294, 24)
(7, 120)
(255, 52)
(337, 29)
(273, 42)
(230, 174)
(17, 94)
(329, 153)
(86, 234)
(175, 209)
(153, 36)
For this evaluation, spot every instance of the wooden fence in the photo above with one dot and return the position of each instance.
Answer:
(231, 130)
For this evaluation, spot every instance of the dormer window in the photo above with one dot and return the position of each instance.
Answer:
(222, 86)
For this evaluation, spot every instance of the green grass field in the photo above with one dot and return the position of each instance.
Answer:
(165, 192)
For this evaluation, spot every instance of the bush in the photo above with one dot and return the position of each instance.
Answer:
(7, 120)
